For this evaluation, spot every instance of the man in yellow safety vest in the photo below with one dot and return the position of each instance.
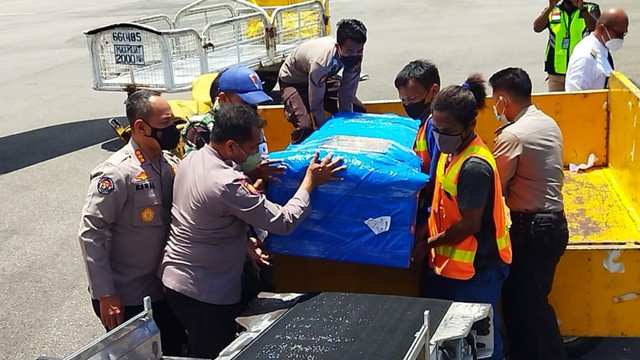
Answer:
(568, 22)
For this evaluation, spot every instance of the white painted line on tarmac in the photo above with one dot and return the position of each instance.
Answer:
(17, 14)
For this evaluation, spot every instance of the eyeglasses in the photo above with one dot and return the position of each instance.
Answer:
(619, 35)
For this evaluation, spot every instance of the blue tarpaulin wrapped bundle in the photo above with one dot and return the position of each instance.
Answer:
(370, 216)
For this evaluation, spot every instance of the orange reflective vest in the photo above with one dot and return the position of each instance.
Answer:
(421, 148)
(456, 261)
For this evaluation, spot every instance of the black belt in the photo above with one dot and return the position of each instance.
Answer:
(526, 218)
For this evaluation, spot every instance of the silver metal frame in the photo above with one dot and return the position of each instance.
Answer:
(150, 20)
(194, 9)
(176, 80)
(420, 344)
(147, 327)
(169, 40)
(265, 60)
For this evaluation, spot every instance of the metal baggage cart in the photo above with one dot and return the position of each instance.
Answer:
(160, 53)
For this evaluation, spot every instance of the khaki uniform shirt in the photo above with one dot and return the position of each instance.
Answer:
(125, 223)
(312, 63)
(213, 204)
(528, 154)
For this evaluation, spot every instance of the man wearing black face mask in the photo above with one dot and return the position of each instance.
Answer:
(418, 84)
(126, 217)
(304, 74)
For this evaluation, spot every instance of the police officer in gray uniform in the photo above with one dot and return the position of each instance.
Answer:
(126, 217)
(213, 204)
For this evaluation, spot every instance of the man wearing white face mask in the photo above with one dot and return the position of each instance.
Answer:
(528, 153)
(589, 67)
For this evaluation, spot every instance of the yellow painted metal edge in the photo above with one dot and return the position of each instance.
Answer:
(628, 83)
(624, 199)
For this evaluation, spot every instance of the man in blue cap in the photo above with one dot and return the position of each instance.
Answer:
(234, 85)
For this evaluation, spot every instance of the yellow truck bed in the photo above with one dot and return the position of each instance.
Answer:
(599, 213)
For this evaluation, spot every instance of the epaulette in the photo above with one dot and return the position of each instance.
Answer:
(119, 157)
(499, 130)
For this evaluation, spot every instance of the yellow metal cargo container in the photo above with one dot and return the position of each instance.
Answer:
(597, 284)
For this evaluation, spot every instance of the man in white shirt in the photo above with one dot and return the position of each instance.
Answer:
(589, 67)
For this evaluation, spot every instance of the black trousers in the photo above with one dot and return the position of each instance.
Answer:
(538, 242)
(210, 328)
(172, 334)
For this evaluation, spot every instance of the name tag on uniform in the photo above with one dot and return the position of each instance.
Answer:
(565, 43)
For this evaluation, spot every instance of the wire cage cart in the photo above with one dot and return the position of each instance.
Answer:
(164, 54)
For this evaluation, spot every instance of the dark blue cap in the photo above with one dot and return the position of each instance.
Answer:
(245, 83)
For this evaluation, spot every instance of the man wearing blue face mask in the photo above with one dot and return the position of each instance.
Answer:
(589, 67)
(304, 74)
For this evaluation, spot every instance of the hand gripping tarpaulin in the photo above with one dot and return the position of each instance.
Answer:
(370, 216)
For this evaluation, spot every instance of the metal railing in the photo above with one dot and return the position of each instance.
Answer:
(157, 53)
(198, 17)
(241, 40)
(159, 22)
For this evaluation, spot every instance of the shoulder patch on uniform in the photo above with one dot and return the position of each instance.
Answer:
(105, 185)
(119, 157)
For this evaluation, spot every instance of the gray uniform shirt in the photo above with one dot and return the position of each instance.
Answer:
(312, 63)
(125, 223)
(528, 154)
(212, 204)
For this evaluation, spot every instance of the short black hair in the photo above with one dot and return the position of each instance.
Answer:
(462, 102)
(423, 72)
(214, 90)
(137, 105)
(235, 122)
(514, 81)
(351, 29)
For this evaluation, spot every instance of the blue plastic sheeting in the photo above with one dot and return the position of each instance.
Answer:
(370, 216)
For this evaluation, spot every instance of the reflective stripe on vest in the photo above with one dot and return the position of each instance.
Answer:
(421, 148)
(456, 261)
(559, 20)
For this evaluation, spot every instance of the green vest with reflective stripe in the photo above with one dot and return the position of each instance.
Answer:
(564, 26)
